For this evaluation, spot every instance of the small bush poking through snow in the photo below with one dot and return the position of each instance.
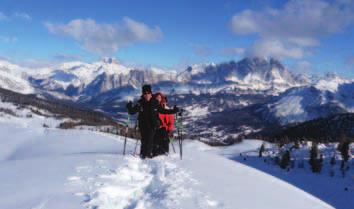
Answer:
(315, 161)
(285, 160)
(261, 150)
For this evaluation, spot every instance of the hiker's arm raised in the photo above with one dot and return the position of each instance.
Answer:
(167, 111)
(132, 109)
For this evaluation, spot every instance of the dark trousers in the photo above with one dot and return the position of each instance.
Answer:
(147, 142)
(161, 142)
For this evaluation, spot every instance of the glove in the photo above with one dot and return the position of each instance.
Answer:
(175, 109)
(129, 105)
(170, 134)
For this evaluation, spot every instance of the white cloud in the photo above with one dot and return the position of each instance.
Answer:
(15, 15)
(298, 25)
(34, 63)
(140, 31)
(103, 38)
(299, 19)
(66, 57)
(235, 51)
(275, 48)
(202, 51)
(304, 42)
(22, 15)
(245, 23)
(302, 66)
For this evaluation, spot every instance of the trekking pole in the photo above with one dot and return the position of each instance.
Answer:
(126, 133)
(136, 143)
(181, 135)
(136, 146)
(173, 146)
(179, 124)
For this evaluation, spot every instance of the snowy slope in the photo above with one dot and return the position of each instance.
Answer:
(310, 102)
(330, 82)
(13, 77)
(51, 168)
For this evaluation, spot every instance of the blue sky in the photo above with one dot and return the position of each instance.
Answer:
(309, 36)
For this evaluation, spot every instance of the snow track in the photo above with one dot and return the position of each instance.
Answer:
(155, 183)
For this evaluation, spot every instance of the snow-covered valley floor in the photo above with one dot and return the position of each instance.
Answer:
(50, 168)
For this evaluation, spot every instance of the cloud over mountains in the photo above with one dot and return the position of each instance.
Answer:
(289, 32)
(104, 38)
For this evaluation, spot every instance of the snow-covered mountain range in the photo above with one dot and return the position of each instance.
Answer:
(310, 102)
(247, 74)
(295, 105)
(280, 95)
(77, 80)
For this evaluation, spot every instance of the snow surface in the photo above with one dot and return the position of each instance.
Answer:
(322, 185)
(52, 168)
(300, 104)
(13, 77)
(290, 109)
(195, 111)
(330, 83)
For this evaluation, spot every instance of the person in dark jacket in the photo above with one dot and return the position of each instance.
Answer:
(148, 119)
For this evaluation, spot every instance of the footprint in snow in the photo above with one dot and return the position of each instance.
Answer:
(145, 184)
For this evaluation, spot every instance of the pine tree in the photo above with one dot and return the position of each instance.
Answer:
(321, 158)
(301, 164)
(343, 148)
(333, 160)
(261, 150)
(315, 162)
(285, 160)
(276, 160)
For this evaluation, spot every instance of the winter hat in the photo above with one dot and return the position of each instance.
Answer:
(146, 88)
